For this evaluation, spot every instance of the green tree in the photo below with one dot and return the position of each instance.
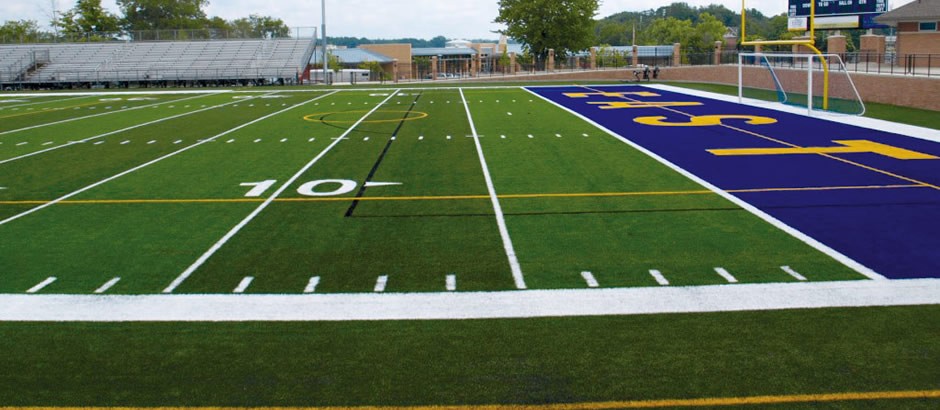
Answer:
(564, 25)
(90, 21)
(19, 31)
(670, 30)
(256, 26)
(163, 14)
(707, 32)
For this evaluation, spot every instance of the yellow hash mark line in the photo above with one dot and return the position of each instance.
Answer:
(768, 138)
(453, 197)
(631, 404)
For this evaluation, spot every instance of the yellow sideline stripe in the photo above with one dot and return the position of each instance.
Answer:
(451, 197)
(632, 404)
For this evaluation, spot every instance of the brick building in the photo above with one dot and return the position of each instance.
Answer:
(918, 32)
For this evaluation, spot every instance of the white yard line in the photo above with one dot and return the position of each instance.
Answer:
(42, 284)
(726, 275)
(796, 275)
(658, 276)
(42, 102)
(450, 283)
(589, 279)
(139, 167)
(102, 114)
(380, 284)
(845, 260)
(231, 233)
(108, 285)
(467, 305)
(514, 266)
(114, 132)
(312, 285)
(244, 284)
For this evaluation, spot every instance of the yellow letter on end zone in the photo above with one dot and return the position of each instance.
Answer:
(704, 120)
(614, 105)
(612, 94)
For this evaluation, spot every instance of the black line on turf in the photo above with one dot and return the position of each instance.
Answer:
(375, 167)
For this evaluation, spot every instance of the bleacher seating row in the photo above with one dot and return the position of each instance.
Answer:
(147, 61)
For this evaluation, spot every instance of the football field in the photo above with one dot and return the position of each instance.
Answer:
(454, 203)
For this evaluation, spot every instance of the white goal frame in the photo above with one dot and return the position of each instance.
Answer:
(814, 63)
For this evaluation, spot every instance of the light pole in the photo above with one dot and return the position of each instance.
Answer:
(326, 69)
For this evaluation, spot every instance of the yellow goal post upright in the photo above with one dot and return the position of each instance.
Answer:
(809, 43)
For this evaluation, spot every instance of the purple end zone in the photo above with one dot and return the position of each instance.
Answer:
(893, 227)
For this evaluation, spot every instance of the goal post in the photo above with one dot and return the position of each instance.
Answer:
(824, 85)
(817, 82)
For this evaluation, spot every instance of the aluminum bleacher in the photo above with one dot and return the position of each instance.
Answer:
(176, 61)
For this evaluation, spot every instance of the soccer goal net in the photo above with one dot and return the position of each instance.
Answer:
(812, 81)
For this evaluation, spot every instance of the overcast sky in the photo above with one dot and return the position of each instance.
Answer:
(466, 19)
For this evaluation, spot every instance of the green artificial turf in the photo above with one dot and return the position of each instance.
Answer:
(474, 362)
(416, 243)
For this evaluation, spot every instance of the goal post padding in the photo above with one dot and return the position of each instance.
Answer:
(785, 77)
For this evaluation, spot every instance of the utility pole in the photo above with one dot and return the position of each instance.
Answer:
(326, 69)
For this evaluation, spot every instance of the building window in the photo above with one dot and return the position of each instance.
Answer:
(928, 26)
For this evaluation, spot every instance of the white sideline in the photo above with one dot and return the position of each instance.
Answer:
(514, 266)
(470, 305)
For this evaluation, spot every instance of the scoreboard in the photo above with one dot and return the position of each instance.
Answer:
(801, 8)
(836, 14)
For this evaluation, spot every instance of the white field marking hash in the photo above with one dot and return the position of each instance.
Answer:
(450, 283)
(231, 233)
(796, 275)
(244, 284)
(41, 102)
(589, 279)
(312, 285)
(106, 113)
(725, 274)
(144, 165)
(514, 266)
(48, 281)
(380, 283)
(108, 285)
(845, 260)
(120, 130)
(468, 305)
(658, 276)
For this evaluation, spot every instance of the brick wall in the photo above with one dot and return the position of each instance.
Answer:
(402, 52)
